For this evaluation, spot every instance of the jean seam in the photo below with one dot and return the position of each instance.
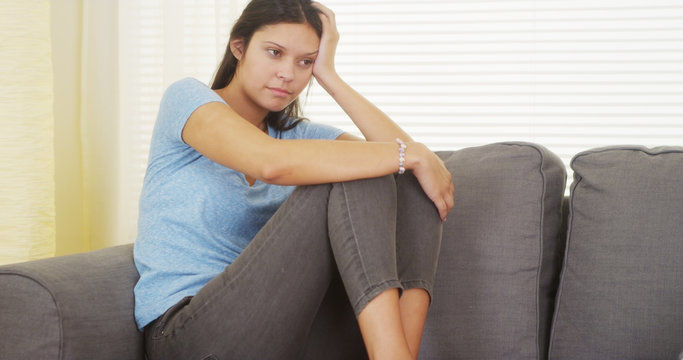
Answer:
(355, 237)
(409, 284)
(367, 294)
(160, 326)
(419, 284)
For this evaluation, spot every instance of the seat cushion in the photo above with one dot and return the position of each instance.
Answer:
(499, 262)
(621, 290)
(70, 307)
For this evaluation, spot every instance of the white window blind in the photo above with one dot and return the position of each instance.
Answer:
(569, 75)
(566, 74)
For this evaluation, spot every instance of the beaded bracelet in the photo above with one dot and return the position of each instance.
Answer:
(401, 156)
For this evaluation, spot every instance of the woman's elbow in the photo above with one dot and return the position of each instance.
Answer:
(272, 172)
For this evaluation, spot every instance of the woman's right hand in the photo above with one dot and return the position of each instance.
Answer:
(323, 67)
(435, 179)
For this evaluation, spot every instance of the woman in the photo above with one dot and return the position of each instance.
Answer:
(237, 264)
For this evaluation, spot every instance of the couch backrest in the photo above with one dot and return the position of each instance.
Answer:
(500, 255)
(621, 291)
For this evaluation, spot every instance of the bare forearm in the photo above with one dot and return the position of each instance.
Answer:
(301, 162)
(221, 135)
(370, 120)
(373, 123)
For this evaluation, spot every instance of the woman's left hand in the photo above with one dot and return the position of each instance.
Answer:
(324, 63)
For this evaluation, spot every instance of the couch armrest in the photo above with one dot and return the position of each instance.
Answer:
(70, 307)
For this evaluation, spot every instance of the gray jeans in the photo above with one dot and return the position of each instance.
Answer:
(283, 297)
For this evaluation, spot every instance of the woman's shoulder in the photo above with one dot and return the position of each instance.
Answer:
(189, 90)
(180, 100)
(188, 84)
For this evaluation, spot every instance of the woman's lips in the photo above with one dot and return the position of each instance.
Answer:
(282, 93)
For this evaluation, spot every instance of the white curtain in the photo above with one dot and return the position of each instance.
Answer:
(100, 125)
(27, 190)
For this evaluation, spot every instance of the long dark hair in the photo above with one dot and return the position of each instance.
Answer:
(257, 14)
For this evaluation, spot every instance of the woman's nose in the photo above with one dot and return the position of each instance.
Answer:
(285, 73)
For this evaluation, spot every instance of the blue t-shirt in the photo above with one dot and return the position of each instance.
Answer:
(196, 216)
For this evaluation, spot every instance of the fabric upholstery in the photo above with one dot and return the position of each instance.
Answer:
(620, 294)
(29, 321)
(499, 260)
(71, 307)
(621, 289)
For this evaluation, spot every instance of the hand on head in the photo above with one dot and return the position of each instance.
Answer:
(324, 63)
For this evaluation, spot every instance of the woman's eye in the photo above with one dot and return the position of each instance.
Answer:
(274, 52)
(306, 62)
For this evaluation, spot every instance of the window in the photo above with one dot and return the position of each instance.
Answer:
(566, 75)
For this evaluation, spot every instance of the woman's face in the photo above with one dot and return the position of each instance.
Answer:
(277, 65)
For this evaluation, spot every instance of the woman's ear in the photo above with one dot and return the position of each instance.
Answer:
(237, 48)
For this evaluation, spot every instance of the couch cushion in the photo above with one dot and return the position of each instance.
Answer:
(499, 261)
(70, 307)
(621, 290)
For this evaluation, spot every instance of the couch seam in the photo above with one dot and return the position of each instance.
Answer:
(540, 253)
(539, 263)
(632, 148)
(570, 228)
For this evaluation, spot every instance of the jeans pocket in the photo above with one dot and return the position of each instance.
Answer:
(159, 329)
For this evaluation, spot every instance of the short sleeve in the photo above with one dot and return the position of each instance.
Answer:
(180, 100)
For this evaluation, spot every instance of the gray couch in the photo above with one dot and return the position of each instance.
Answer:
(524, 272)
